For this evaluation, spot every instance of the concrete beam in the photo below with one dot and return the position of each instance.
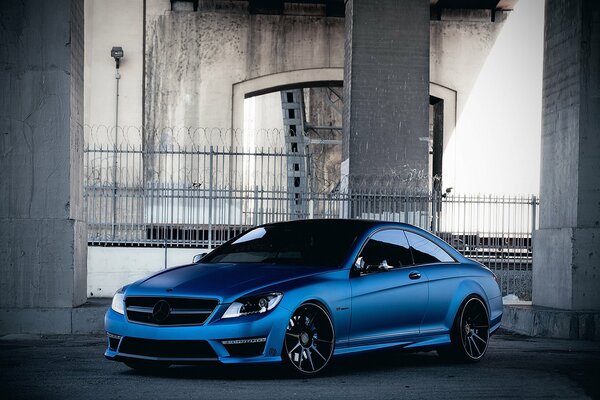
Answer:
(386, 93)
(43, 234)
(566, 263)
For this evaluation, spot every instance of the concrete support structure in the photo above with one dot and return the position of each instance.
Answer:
(43, 245)
(386, 93)
(566, 265)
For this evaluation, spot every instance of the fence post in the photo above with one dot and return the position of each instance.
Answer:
(210, 197)
(256, 223)
(114, 197)
(165, 245)
(533, 213)
(434, 212)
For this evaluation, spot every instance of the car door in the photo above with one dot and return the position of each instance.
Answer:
(443, 275)
(389, 298)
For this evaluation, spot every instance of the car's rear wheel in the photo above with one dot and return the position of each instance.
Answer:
(470, 332)
(147, 366)
(309, 339)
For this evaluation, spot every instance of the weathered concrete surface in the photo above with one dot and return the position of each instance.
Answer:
(194, 59)
(566, 263)
(471, 57)
(303, 78)
(496, 70)
(72, 367)
(550, 322)
(386, 93)
(324, 108)
(42, 232)
(110, 268)
(85, 319)
(111, 23)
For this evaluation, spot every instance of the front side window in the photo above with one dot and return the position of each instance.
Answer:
(424, 251)
(389, 246)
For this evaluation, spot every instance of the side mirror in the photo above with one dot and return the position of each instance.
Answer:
(385, 266)
(359, 265)
(198, 257)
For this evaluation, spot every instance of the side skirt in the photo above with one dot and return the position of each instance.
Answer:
(421, 341)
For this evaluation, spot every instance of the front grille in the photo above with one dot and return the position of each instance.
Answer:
(169, 310)
(187, 349)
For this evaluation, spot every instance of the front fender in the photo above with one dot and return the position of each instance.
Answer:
(332, 291)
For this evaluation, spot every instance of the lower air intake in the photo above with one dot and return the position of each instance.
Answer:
(186, 349)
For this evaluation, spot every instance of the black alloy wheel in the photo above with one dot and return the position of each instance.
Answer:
(470, 333)
(309, 339)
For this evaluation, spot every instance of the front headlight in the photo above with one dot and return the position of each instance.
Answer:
(118, 302)
(253, 305)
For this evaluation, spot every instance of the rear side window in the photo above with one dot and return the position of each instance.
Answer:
(389, 245)
(424, 251)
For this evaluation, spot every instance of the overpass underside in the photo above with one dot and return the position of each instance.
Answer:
(384, 63)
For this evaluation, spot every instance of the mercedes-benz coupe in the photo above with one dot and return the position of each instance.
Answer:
(305, 292)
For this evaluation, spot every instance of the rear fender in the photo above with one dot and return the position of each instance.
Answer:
(466, 288)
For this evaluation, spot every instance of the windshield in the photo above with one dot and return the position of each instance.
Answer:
(308, 243)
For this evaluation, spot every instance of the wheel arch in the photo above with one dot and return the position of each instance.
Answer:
(465, 290)
(321, 303)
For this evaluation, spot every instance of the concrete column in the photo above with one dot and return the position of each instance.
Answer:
(566, 264)
(386, 94)
(43, 245)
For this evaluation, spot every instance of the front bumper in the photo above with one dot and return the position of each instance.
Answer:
(221, 335)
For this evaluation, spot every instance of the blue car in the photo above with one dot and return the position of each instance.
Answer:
(303, 292)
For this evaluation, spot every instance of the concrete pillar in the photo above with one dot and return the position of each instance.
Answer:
(43, 245)
(566, 264)
(386, 94)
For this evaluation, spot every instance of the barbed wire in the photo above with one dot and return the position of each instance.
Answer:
(162, 137)
(102, 140)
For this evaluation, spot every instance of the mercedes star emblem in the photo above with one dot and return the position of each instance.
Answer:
(161, 311)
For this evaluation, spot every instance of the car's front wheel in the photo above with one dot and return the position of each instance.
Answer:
(309, 339)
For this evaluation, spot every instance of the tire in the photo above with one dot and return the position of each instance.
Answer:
(470, 332)
(309, 340)
(146, 366)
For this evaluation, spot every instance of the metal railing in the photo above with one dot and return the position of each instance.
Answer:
(202, 197)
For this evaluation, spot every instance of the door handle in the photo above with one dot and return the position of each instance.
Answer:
(414, 275)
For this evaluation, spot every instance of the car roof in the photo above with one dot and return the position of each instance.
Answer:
(355, 223)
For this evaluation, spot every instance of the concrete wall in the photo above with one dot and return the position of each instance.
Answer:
(323, 108)
(111, 23)
(110, 268)
(495, 68)
(263, 125)
(195, 58)
(489, 72)
(42, 228)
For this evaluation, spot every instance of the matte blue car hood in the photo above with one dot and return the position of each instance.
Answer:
(223, 281)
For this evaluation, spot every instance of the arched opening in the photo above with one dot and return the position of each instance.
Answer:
(299, 114)
(314, 77)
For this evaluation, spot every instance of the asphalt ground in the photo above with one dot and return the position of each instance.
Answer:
(73, 367)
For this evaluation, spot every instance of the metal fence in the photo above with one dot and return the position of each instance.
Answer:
(201, 197)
